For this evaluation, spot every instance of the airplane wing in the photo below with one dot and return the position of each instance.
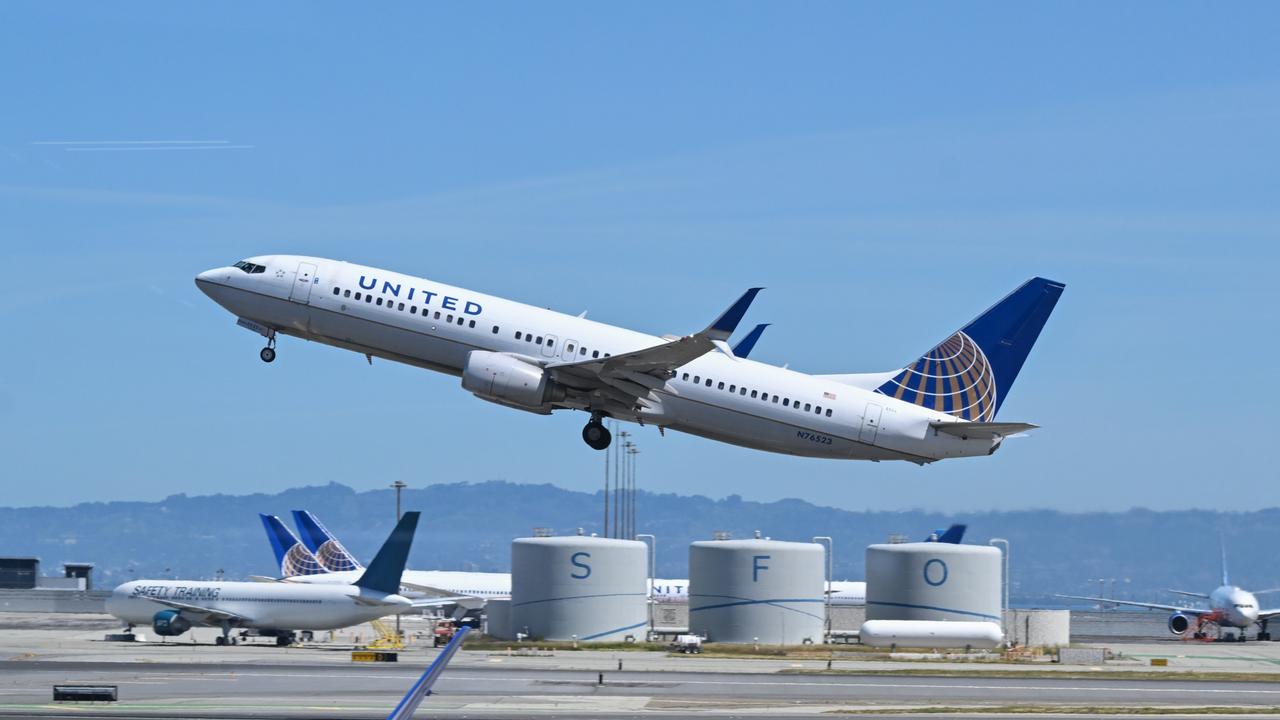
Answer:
(627, 377)
(208, 616)
(1188, 593)
(1152, 606)
(981, 430)
(421, 689)
(1268, 614)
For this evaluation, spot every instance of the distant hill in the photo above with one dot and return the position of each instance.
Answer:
(469, 526)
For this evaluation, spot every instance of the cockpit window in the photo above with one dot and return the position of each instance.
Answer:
(251, 268)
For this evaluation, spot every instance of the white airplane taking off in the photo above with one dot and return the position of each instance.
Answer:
(943, 405)
(1230, 606)
(172, 607)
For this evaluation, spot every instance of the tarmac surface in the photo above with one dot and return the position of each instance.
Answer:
(259, 680)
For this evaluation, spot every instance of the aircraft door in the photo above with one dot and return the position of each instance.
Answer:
(306, 277)
(570, 352)
(551, 346)
(870, 423)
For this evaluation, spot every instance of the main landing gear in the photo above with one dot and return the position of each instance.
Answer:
(268, 353)
(596, 435)
(225, 638)
(1263, 634)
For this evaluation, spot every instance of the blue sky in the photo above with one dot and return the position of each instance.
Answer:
(885, 170)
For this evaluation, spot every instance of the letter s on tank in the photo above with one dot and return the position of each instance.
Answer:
(575, 560)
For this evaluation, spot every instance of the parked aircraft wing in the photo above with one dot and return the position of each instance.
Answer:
(1268, 614)
(981, 430)
(209, 616)
(635, 373)
(1134, 603)
(1188, 593)
(422, 688)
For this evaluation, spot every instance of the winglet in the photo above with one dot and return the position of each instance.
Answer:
(383, 574)
(748, 343)
(422, 688)
(292, 556)
(728, 321)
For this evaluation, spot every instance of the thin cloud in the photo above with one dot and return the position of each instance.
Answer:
(139, 145)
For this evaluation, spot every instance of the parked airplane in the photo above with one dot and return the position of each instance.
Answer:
(943, 405)
(172, 607)
(1230, 606)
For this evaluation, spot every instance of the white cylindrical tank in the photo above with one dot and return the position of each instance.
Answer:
(497, 619)
(933, 581)
(930, 634)
(766, 591)
(583, 588)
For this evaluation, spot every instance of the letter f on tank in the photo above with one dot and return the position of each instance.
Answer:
(757, 566)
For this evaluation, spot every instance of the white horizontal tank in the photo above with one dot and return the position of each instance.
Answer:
(579, 588)
(759, 590)
(930, 634)
(933, 581)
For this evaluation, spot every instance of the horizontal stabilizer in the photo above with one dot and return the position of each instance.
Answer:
(981, 430)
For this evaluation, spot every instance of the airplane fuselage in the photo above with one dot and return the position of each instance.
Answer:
(279, 606)
(434, 326)
(1234, 606)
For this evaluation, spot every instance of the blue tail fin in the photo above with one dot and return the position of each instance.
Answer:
(292, 556)
(1226, 580)
(748, 343)
(383, 574)
(969, 374)
(331, 554)
(954, 534)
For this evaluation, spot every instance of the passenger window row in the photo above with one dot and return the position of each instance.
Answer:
(460, 320)
(550, 342)
(763, 396)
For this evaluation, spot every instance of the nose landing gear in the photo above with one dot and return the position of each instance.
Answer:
(596, 435)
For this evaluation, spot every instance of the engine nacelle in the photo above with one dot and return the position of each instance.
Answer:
(170, 622)
(508, 380)
(1179, 623)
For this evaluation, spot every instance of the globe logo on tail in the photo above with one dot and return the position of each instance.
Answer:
(299, 561)
(955, 378)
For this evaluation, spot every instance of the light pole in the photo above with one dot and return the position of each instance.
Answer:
(653, 571)
(631, 519)
(398, 485)
(825, 540)
(605, 531)
(617, 482)
(1004, 577)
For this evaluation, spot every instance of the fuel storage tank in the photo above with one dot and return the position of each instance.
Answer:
(584, 588)
(933, 581)
(769, 591)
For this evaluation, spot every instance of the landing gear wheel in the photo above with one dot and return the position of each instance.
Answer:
(596, 435)
(219, 640)
(267, 354)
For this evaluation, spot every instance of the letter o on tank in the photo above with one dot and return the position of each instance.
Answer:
(935, 572)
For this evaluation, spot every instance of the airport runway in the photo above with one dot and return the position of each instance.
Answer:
(257, 690)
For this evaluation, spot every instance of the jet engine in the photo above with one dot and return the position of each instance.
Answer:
(508, 380)
(170, 622)
(1179, 623)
